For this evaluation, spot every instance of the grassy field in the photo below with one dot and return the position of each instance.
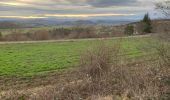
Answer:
(38, 58)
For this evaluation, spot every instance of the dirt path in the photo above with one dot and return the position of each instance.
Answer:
(71, 40)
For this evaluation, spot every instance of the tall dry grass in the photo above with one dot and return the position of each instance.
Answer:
(103, 76)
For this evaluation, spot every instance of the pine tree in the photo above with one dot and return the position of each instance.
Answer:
(147, 26)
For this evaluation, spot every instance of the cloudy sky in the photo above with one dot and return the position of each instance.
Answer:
(74, 8)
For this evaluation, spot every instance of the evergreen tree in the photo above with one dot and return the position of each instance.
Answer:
(147, 26)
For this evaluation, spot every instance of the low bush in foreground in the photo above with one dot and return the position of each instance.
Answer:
(103, 76)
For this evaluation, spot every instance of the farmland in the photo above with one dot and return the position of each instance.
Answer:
(29, 59)
(55, 68)
(85, 50)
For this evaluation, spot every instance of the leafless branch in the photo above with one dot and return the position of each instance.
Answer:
(164, 7)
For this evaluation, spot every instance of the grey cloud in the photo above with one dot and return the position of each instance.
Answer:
(106, 3)
(94, 3)
(99, 3)
(38, 7)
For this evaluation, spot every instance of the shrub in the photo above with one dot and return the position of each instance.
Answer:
(98, 62)
(0, 36)
(60, 33)
(163, 51)
(95, 71)
(16, 37)
(129, 30)
(164, 36)
(82, 32)
(41, 35)
(103, 76)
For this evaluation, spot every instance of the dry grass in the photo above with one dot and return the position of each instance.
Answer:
(101, 77)
(98, 62)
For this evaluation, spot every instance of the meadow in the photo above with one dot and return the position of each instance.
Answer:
(31, 59)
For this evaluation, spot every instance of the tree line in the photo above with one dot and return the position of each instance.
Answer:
(75, 32)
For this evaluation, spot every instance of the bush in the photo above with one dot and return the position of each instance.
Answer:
(0, 36)
(129, 30)
(163, 51)
(41, 35)
(95, 71)
(97, 62)
(16, 37)
(103, 76)
(164, 36)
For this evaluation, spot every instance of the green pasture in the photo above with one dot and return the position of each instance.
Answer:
(37, 58)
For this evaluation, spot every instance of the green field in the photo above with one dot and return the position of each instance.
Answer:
(37, 58)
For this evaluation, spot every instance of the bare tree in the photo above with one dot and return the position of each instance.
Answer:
(164, 7)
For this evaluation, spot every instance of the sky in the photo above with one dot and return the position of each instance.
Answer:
(33, 9)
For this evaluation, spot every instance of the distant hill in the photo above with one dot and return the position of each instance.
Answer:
(159, 26)
(17, 23)
(77, 23)
(6, 24)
